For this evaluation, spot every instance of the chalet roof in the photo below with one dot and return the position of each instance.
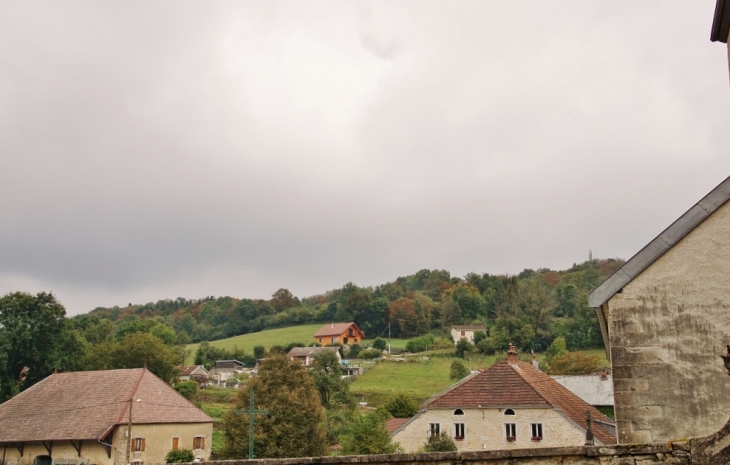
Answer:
(470, 327)
(310, 351)
(520, 385)
(334, 329)
(721, 23)
(594, 389)
(88, 404)
(188, 370)
(656, 248)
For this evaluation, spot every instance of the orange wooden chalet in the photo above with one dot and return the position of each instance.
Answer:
(339, 333)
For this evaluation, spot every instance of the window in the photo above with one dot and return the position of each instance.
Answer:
(137, 462)
(458, 411)
(175, 443)
(510, 431)
(459, 431)
(434, 429)
(509, 411)
(536, 431)
(463, 333)
(199, 442)
(138, 445)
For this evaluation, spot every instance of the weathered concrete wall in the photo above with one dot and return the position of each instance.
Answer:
(485, 429)
(668, 328)
(158, 440)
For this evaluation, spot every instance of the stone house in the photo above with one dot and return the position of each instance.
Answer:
(466, 331)
(194, 373)
(665, 320)
(305, 355)
(339, 333)
(83, 418)
(511, 405)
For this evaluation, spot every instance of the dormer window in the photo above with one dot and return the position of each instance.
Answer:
(509, 411)
(458, 411)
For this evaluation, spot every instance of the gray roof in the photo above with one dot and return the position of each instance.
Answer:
(663, 242)
(593, 389)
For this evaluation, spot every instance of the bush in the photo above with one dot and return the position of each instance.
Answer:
(187, 389)
(440, 443)
(369, 354)
(574, 363)
(179, 456)
(487, 346)
(402, 406)
(479, 336)
(379, 343)
(458, 370)
(463, 347)
(420, 344)
(354, 351)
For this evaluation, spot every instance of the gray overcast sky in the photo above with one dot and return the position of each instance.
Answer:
(153, 150)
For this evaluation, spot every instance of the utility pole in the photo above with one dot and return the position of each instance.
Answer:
(388, 338)
(129, 430)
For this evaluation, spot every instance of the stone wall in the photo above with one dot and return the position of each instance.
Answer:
(668, 327)
(670, 453)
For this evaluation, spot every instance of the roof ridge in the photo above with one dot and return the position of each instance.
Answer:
(131, 395)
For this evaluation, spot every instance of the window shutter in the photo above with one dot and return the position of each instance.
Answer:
(175, 443)
(143, 444)
(202, 442)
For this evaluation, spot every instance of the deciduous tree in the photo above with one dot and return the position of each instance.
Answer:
(293, 425)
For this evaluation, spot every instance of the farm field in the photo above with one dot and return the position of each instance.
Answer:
(272, 337)
(266, 338)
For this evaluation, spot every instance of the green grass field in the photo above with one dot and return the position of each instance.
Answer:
(266, 338)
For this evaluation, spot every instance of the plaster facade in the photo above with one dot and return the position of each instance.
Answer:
(667, 329)
(158, 442)
(484, 429)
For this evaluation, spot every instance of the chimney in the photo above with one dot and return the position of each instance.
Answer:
(535, 363)
(512, 355)
(604, 376)
(332, 324)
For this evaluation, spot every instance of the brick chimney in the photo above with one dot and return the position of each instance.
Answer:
(512, 355)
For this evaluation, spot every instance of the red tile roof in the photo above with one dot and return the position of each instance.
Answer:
(520, 385)
(334, 329)
(88, 404)
(394, 423)
(470, 327)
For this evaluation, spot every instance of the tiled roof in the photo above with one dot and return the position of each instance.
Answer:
(334, 329)
(394, 423)
(469, 328)
(88, 404)
(188, 370)
(520, 385)
(309, 351)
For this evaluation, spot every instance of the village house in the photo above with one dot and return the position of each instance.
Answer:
(305, 355)
(196, 373)
(339, 333)
(511, 405)
(665, 322)
(466, 332)
(86, 418)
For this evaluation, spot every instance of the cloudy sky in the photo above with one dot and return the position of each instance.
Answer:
(152, 150)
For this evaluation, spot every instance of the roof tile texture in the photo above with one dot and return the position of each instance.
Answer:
(520, 385)
(87, 404)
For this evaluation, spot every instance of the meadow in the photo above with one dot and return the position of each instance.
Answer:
(272, 337)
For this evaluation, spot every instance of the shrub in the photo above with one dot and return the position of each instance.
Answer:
(463, 347)
(187, 389)
(440, 443)
(420, 344)
(401, 406)
(369, 354)
(458, 370)
(179, 456)
(487, 346)
(479, 336)
(354, 351)
(379, 343)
